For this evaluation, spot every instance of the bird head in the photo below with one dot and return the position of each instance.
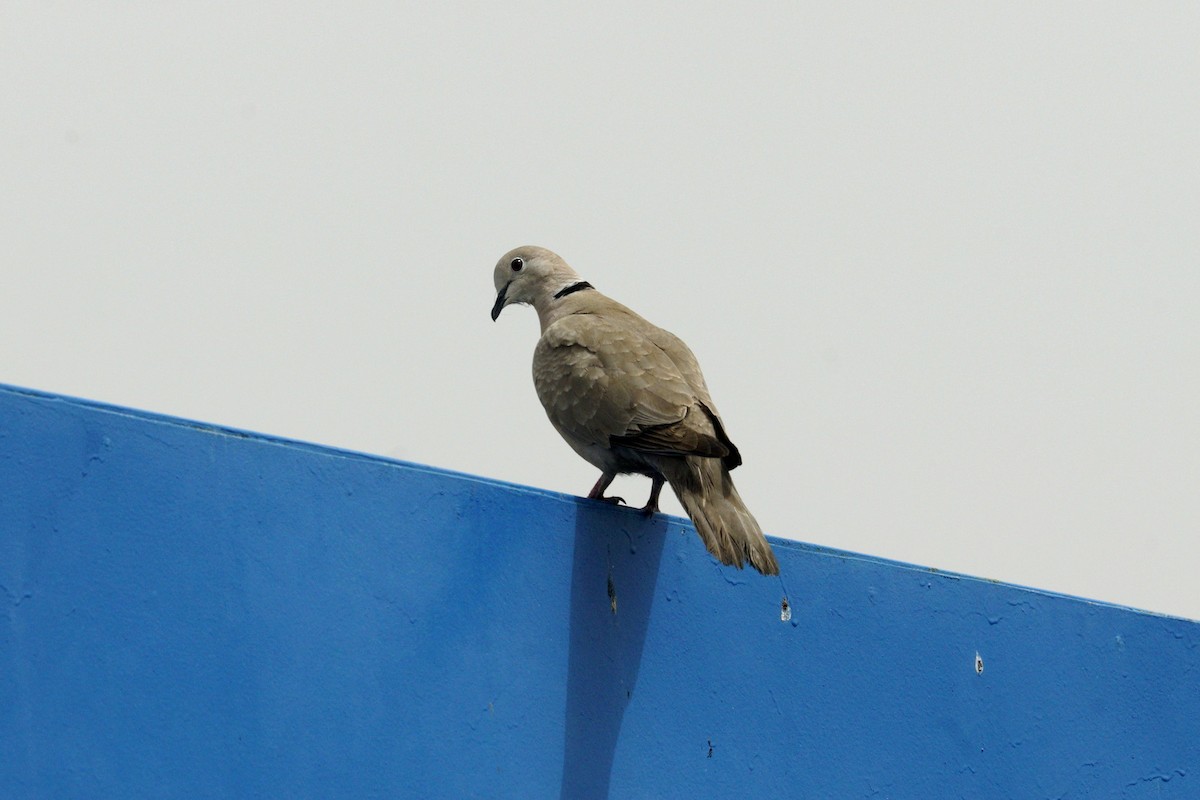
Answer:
(529, 275)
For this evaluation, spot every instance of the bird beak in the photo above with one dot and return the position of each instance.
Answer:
(500, 298)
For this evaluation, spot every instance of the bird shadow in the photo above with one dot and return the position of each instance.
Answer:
(615, 569)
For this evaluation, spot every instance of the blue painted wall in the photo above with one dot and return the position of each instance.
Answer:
(198, 612)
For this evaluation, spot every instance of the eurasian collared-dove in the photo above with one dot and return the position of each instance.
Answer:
(629, 397)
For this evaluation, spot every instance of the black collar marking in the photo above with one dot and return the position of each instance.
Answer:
(574, 287)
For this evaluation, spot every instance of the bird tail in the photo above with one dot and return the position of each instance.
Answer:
(728, 529)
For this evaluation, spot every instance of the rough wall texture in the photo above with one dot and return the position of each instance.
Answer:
(197, 612)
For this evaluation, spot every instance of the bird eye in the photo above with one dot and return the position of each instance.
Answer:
(516, 264)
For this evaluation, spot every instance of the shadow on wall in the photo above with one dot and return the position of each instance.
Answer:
(612, 585)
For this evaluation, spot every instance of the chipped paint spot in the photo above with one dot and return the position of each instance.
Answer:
(978, 663)
(785, 611)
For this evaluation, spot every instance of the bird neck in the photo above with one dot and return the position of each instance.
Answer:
(578, 286)
(567, 300)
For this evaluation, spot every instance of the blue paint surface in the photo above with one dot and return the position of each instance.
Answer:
(197, 612)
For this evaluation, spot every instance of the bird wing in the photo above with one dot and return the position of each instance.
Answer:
(603, 381)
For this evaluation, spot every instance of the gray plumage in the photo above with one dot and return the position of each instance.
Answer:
(629, 397)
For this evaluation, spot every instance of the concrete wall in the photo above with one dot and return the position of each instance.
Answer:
(197, 612)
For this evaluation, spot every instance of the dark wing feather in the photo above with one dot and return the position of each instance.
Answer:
(694, 435)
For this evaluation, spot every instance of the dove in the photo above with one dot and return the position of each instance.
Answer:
(629, 398)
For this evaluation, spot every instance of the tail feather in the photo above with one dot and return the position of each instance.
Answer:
(728, 529)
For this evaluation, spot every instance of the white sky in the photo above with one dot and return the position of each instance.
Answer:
(939, 261)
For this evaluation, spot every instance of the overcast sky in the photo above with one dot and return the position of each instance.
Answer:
(939, 261)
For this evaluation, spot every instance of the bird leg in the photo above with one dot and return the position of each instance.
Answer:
(651, 507)
(597, 492)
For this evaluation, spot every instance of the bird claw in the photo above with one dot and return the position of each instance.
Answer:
(651, 507)
(612, 500)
